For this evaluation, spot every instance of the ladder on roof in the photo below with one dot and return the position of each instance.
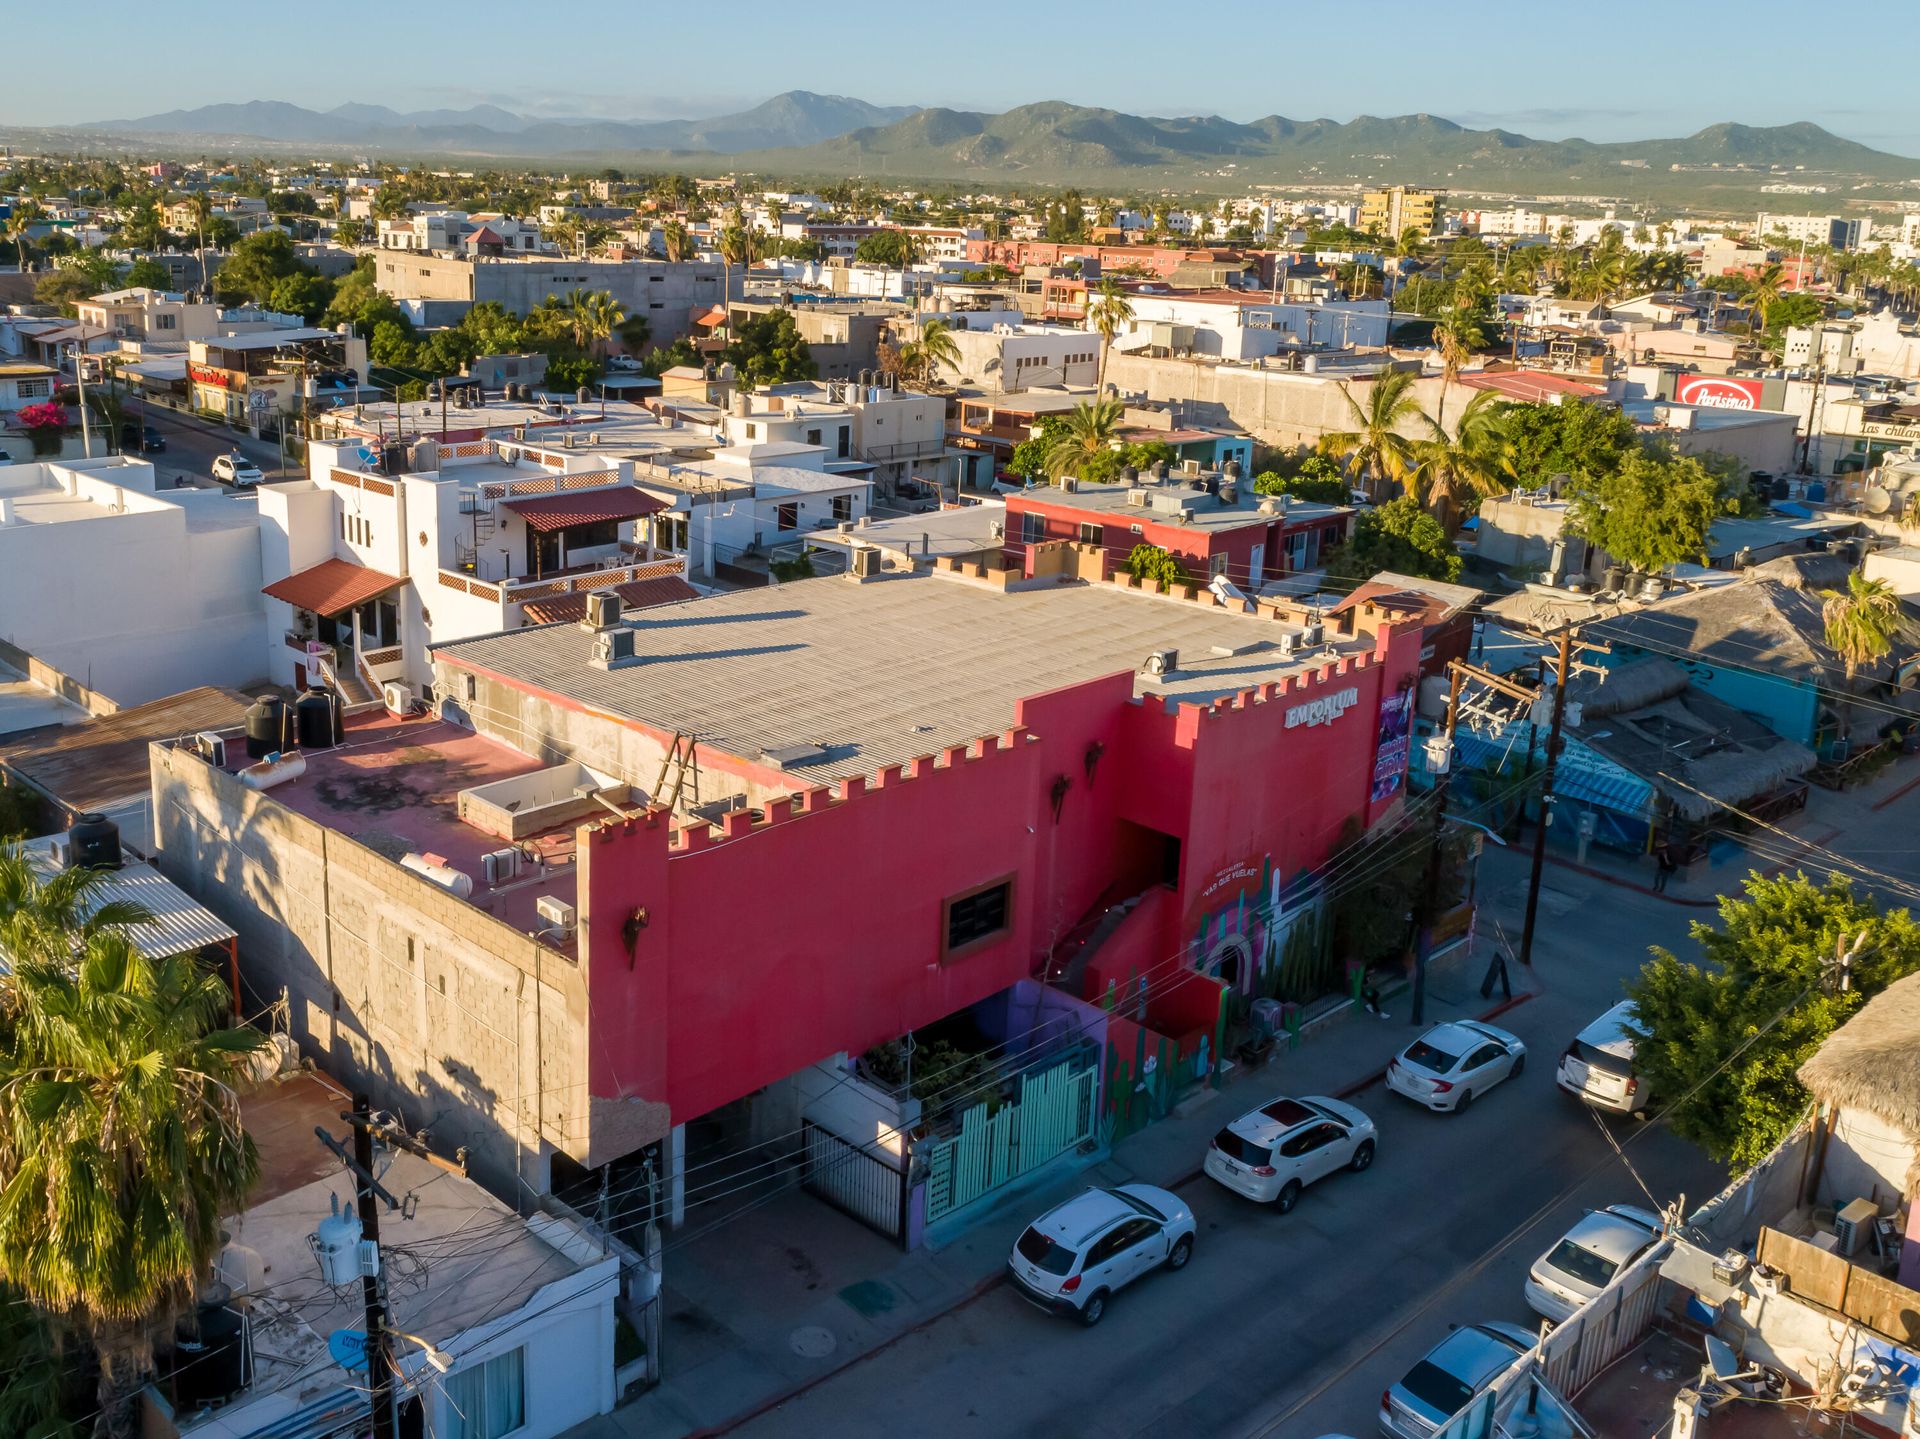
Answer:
(679, 758)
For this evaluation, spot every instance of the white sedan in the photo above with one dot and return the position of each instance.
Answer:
(1586, 1261)
(1451, 1065)
(1271, 1153)
(236, 469)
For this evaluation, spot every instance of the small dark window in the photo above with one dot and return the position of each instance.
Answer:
(813, 437)
(846, 440)
(842, 508)
(1089, 534)
(978, 916)
(789, 516)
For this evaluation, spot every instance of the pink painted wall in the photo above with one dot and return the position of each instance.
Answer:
(773, 945)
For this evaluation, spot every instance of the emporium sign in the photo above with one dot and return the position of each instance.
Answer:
(1324, 710)
(1717, 392)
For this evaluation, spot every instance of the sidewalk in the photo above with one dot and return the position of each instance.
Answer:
(776, 1298)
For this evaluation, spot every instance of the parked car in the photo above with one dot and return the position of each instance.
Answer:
(236, 469)
(1445, 1382)
(1074, 1258)
(136, 439)
(1586, 1260)
(624, 363)
(1271, 1153)
(1451, 1065)
(1598, 1065)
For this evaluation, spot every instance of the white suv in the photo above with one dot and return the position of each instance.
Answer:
(1271, 1153)
(236, 469)
(1072, 1259)
(1598, 1065)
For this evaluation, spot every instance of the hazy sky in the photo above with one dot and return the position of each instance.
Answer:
(1625, 69)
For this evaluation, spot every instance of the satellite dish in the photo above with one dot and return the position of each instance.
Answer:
(348, 1348)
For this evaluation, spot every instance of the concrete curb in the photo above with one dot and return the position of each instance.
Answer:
(1619, 883)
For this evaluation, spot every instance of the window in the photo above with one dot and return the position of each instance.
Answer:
(32, 389)
(813, 437)
(845, 442)
(1216, 566)
(1089, 534)
(1033, 528)
(789, 516)
(163, 322)
(977, 917)
(1046, 1254)
(489, 1400)
(1245, 1150)
(842, 508)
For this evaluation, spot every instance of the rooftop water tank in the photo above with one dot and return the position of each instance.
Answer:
(93, 843)
(269, 726)
(317, 718)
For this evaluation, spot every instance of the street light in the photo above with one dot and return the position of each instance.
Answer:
(431, 1352)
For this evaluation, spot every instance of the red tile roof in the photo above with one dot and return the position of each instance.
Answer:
(557, 512)
(331, 587)
(634, 595)
(1531, 385)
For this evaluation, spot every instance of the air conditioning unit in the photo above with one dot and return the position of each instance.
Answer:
(556, 914)
(1163, 662)
(1289, 644)
(603, 609)
(211, 748)
(500, 866)
(399, 700)
(1853, 1225)
(612, 647)
(1315, 634)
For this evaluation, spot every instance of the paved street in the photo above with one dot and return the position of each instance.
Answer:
(192, 444)
(1292, 1326)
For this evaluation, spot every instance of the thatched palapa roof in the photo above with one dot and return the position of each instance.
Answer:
(1627, 687)
(1872, 1062)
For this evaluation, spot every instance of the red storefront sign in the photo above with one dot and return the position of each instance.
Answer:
(1717, 392)
(205, 375)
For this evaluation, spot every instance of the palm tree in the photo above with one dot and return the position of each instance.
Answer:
(1910, 512)
(1374, 448)
(1768, 287)
(25, 216)
(1110, 310)
(1089, 432)
(45, 918)
(121, 1148)
(1477, 458)
(736, 248)
(675, 241)
(1863, 621)
(1456, 335)
(935, 347)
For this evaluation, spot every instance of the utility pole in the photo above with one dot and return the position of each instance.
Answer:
(379, 1359)
(1430, 902)
(80, 379)
(1546, 793)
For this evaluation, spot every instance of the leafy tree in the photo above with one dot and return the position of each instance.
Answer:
(121, 1147)
(222, 233)
(1316, 479)
(143, 230)
(1029, 457)
(67, 286)
(493, 329)
(1152, 565)
(1766, 982)
(1474, 460)
(256, 262)
(1651, 512)
(307, 296)
(1398, 536)
(893, 248)
(390, 344)
(567, 372)
(148, 273)
(1863, 621)
(1571, 439)
(768, 350)
(350, 231)
(24, 217)
(669, 357)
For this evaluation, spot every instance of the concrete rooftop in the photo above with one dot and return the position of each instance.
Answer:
(882, 672)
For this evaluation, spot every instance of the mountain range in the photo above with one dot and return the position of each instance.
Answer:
(806, 135)
(796, 118)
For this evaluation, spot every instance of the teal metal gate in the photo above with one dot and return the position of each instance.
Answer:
(1054, 1113)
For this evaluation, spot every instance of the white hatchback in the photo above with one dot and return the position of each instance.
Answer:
(1451, 1065)
(1271, 1153)
(1598, 1065)
(1076, 1256)
(1586, 1261)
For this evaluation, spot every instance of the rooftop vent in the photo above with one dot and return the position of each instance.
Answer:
(794, 756)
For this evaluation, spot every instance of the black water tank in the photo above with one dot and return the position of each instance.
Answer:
(212, 1364)
(316, 719)
(269, 727)
(93, 843)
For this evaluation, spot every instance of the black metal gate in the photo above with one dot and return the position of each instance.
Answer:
(868, 1184)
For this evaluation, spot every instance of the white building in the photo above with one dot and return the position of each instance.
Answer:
(152, 319)
(1834, 230)
(363, 570)
(502, 1325)
(1233, 325)
(130, 593)
(1009, 358)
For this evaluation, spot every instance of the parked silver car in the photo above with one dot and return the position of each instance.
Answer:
(1445, 1382)
(1451, 1065)
(1586, 1260)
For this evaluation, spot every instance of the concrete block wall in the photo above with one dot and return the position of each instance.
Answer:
(448, 1016)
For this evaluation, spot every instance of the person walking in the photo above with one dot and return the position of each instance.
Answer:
(1664, 866)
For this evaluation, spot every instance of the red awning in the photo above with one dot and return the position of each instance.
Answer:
(558, 512)
(634, 595)
(331, 587)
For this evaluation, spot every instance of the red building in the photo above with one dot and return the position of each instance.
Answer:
(1213, 526)
(1158, 260)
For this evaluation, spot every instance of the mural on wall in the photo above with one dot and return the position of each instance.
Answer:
(1395, 744)
(1261, 936)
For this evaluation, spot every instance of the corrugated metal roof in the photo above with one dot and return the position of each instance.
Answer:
(1581, 775)
(103, 762)
(180, 923)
